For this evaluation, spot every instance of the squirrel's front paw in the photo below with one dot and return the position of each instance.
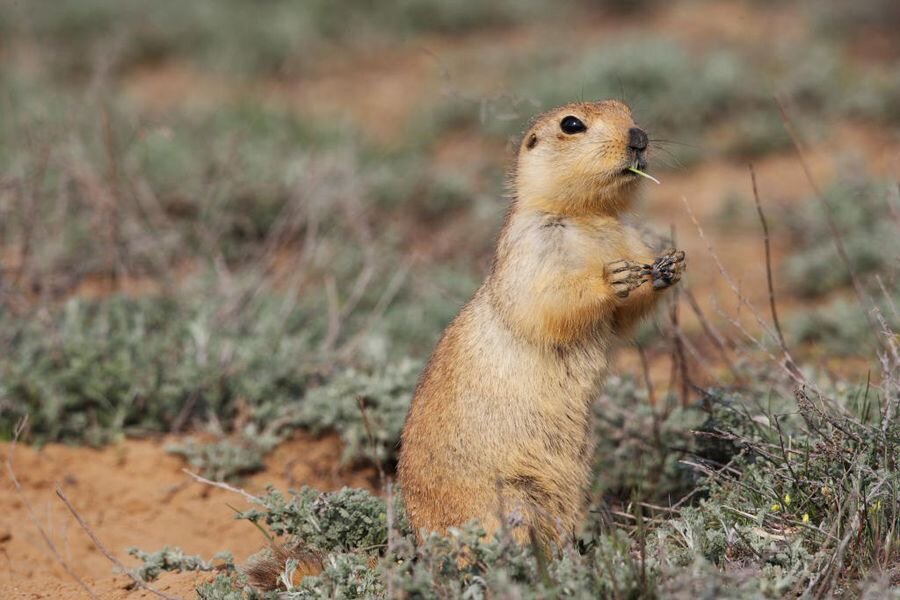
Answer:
(624, 276)
(667, 269)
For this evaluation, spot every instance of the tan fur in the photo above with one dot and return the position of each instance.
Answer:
(501, 415)
(265, 568)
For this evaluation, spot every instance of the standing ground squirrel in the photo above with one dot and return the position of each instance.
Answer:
(500, 426)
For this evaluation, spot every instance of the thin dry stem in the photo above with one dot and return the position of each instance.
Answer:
(33, 517)
(391, 534)
(224, 486)
(645, 368)
(836, 236)
(387, 296)
(769, 280)
(679, 361)
(742, 300)
(713, 334)
(361, 403)
(137, 580)
(888, 298)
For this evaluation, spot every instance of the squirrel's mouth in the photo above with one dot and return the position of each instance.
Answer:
(637, 170)
(639, 163)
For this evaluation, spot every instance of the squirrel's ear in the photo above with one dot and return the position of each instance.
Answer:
(532, 141)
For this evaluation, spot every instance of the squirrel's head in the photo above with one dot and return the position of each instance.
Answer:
(576, 158)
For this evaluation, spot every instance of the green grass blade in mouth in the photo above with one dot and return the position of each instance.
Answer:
(642, 174)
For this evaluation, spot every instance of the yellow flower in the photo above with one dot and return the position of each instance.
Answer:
(787, 499)
(776, 507)
(806, 517)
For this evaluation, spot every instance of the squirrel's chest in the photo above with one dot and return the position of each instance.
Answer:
(576, 243)
(540, 377)
(556, 411)
(555, 385)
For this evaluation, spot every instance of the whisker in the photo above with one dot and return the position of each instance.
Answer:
(675, 162)
(662, 141)
(669, 162)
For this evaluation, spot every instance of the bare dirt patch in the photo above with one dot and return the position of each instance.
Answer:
(135, 494)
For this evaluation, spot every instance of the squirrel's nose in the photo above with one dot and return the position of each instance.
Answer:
(637, 139)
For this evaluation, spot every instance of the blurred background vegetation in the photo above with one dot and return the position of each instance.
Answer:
(240, 219)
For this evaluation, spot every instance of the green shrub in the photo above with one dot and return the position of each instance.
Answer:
(343, 576)
(225, 459)
(173, 559)
(155, 194)
(877, 98)
(719, 102)
(103, 369)
(839, 328)
(349, 519)
(238, 36)
(627, 461)
(367, 408)
(860, 210)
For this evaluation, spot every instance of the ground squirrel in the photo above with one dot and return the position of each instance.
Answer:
(500, 422)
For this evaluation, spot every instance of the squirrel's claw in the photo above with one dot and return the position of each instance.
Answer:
(667, 269)
(624, 276)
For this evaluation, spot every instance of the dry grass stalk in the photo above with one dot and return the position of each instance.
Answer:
(864, 301)
(33, 517)
(769, 280)
(743, 301)
(109, 555)
(225, 486)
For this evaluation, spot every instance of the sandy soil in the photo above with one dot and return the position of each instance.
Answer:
(135, 494)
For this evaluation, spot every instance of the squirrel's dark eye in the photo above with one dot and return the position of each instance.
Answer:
(572, 125)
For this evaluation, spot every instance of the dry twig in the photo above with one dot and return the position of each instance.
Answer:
(44, 535)
(742, 300)
(225, 486)
(373, 448)
(836, 236)
(769, 281)
(137, 580)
